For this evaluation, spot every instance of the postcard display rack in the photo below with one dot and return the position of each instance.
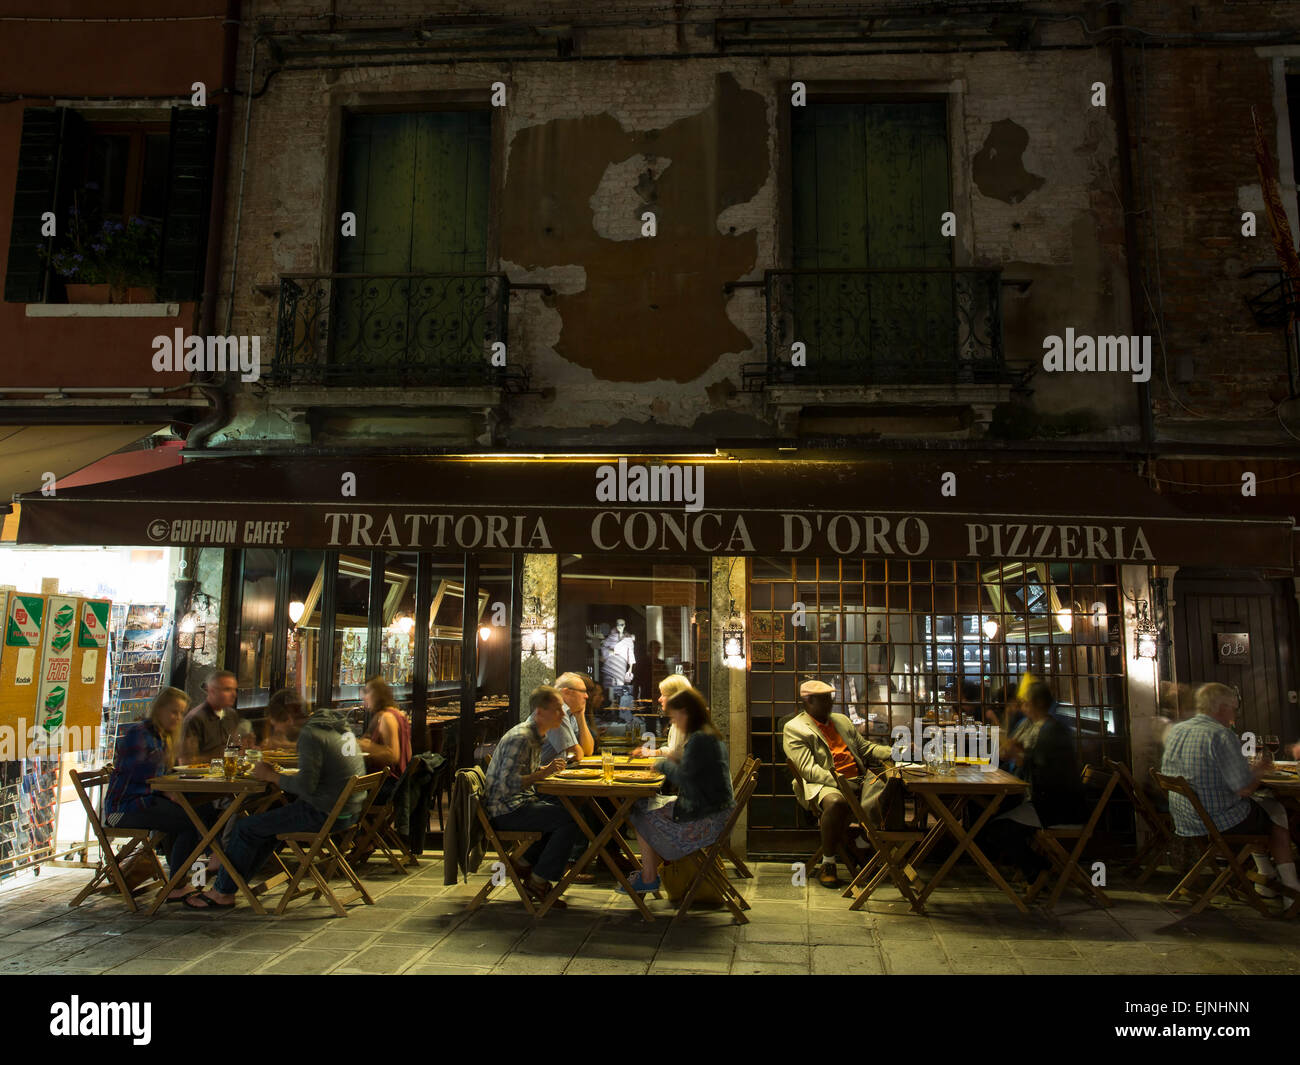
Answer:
(53, 657)
(139, 639)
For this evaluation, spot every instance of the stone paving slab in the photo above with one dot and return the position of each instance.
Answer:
(419, 926)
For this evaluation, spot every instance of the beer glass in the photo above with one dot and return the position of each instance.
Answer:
(230, 764)
(607, 766)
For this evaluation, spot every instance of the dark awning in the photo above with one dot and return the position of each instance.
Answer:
(883, 507)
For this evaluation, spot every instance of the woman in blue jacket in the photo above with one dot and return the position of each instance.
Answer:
(672, 827)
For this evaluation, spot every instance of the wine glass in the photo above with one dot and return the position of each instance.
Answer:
(1271, 744)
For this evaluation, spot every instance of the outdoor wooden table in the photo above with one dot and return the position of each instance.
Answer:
(946, 795)
(622, 796)
(182, 787)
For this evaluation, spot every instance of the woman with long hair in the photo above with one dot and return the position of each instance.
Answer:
(672, 827)
(386, 743)
(671, 685)
(145, 750)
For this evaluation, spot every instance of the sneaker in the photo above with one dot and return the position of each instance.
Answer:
(639, 886)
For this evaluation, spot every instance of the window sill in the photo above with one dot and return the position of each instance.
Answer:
(103, 310)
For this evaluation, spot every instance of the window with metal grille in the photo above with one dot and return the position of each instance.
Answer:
(939, 641)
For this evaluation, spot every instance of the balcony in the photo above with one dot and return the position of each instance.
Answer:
(394, 331)
(872, 326)
(906, 342)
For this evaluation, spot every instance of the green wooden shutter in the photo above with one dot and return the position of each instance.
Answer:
(49, 157)
(191, 158)
(870, 184)
(418, 183)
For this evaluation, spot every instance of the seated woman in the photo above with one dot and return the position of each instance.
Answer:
(1043, 751)
(145, 750)
(668, 687)
(283, 706)
(672, 827)
(386, 743)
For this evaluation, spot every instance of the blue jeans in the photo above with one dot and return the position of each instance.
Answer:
(166, 816)
(559, 833)
(252, 840)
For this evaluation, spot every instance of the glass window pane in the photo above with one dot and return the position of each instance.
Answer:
(397, 625)
(630, 623)
(351, 626)
(306, 585)
(256, 627)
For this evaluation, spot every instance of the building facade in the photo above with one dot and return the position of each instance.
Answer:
(920, 348)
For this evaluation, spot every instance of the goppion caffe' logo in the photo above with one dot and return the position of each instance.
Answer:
(205, 531)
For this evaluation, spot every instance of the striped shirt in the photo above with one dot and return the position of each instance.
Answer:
(1208, 754)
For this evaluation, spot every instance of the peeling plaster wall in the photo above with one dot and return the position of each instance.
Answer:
(639, 344)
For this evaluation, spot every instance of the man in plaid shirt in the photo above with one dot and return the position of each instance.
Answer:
(511, 800)
(1207, 753)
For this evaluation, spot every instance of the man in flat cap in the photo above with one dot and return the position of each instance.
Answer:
(817, 740)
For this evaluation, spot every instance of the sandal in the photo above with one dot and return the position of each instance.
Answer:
(209, 903)
(172, 899)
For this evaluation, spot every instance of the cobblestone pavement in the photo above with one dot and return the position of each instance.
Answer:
(420, 926)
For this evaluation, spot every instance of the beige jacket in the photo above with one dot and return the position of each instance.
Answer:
(807, 748)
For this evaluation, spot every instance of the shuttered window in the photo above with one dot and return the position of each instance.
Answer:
(49, 164)
(870, 184)
(114, 171)
(418, 183)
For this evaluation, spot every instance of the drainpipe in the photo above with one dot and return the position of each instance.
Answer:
(1129, 205)
(214, 392)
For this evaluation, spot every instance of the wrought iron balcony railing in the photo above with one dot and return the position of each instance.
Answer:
(394, 330)
(882, 326)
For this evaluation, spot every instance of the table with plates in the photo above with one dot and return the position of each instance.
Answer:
(946, 796)
(574, 792)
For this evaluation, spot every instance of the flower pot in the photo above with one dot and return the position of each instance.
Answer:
(141, 294)
(87, 293)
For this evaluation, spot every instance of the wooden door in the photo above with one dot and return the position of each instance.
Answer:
(1205, 608)
(418, 182)
(871, 183)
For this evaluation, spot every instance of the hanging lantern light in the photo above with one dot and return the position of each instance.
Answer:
(733, 640)
(1147, 633)
(991, 628)
(534, 635)
(296, 610)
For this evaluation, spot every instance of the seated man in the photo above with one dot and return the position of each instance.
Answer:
(1206, 752)
(817, 740)
(209, 725)
(571, 738)
(511, 800)
(1042, 749)
(328, 759)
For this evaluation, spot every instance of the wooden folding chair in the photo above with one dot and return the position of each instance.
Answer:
(889, 854)
(840, 851)
(1066, 865)
(1160, 827)
(375, 831)
(498, 839)
(1220, 845)
(140, 841)
(742, 870)
(324, 855)
(707, 863)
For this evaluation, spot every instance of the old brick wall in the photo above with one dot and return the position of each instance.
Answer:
(640, 346)
(1222, 375)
